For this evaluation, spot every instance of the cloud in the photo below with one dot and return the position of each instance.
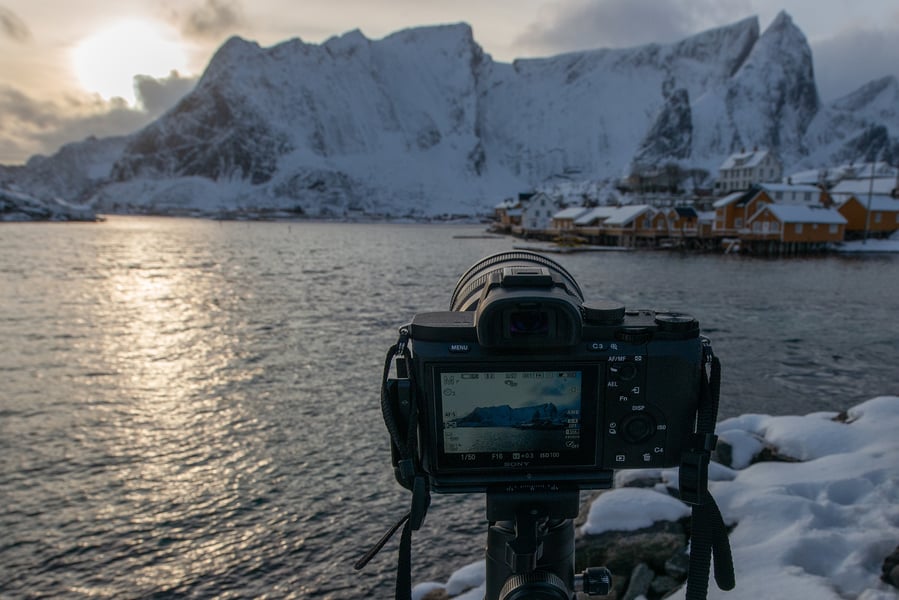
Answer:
(158, 95)
(12, 26)
(32, 126)
(587, 24)
(845, 62)
(213, 19)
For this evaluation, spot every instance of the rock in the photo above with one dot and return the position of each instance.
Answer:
(678, 566)
(622, 551)
(640, 580)
(663, 585)
(893, 577)
(890, 569)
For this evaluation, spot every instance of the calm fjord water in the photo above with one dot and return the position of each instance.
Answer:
(190, 408)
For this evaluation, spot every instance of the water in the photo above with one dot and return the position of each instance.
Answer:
(189, 408)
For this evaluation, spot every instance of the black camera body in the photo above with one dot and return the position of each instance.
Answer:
(524, 386)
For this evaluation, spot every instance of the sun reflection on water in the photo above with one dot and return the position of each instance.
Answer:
(184, 474)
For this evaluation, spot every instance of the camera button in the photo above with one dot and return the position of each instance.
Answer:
(624, 371)
(638, 428)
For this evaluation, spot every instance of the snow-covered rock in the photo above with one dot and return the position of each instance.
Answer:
(823, 527)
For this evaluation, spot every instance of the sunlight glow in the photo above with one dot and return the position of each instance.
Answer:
(106, 62)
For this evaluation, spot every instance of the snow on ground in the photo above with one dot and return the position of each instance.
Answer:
(819, 528)
(869, 246)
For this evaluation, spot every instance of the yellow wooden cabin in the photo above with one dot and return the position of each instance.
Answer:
(734, 210)
(791, 224)
(683, 221)
(884, 218)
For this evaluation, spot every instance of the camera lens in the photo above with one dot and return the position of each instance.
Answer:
(468, 289)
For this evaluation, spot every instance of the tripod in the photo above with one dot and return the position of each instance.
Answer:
(530, 546)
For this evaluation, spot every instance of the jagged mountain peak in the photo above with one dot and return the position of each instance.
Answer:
(883, 91)
(422, 121)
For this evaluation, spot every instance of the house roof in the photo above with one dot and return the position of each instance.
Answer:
(571, 213)
(625, 214)
(802, 214)
(729, 199)
(786, 187)
(880, 203)
(744, 160)
(686, 211)
(881, 186)
(595, 214)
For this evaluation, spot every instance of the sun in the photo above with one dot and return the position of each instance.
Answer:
(107, 61)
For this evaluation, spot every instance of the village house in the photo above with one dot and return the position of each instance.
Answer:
(628, 223)
(508, 214)
(884, 219)
(861, 188)
(537, 213)
(683, 221)
(733, 211)
(619, 225)
(564, 219)
(794, 226)
(787, 193)
(590, 224)
(744, 169)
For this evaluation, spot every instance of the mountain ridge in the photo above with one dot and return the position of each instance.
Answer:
(423, 122)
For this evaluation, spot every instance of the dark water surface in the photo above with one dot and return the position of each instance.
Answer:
(189, 408)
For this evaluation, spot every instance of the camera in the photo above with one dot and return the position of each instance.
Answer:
(527, 392)
(522, 383)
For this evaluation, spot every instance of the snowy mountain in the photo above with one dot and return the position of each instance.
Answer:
(423, 122)
(542, 416)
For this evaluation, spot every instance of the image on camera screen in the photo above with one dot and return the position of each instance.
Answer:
(511, 412)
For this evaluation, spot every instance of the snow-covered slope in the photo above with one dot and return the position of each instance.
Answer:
(423, 122)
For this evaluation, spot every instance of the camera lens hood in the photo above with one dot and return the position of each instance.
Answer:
(468, 289)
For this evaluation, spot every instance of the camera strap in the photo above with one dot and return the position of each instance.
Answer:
(400, 412)
(709, 533)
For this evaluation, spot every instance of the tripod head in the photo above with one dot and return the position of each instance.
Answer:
(530, 545)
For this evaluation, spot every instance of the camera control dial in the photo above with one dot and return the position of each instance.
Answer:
(638, 428)
(675, 322)
(603, 312)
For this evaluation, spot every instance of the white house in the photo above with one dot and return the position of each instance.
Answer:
(537, 213)
(743, 169)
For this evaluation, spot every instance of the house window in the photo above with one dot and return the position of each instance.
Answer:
(877, 217)
(797, 227)
(738, 222)
(779, 195)
(834, 229)
(808, 196)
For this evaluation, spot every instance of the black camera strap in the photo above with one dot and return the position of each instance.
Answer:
(709, 533)
(400, 412)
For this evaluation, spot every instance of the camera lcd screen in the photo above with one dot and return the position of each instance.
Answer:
(515, 419)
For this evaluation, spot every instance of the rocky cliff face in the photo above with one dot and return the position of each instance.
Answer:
(424, 122)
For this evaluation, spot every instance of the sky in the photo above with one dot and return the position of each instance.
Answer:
(69, 70)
